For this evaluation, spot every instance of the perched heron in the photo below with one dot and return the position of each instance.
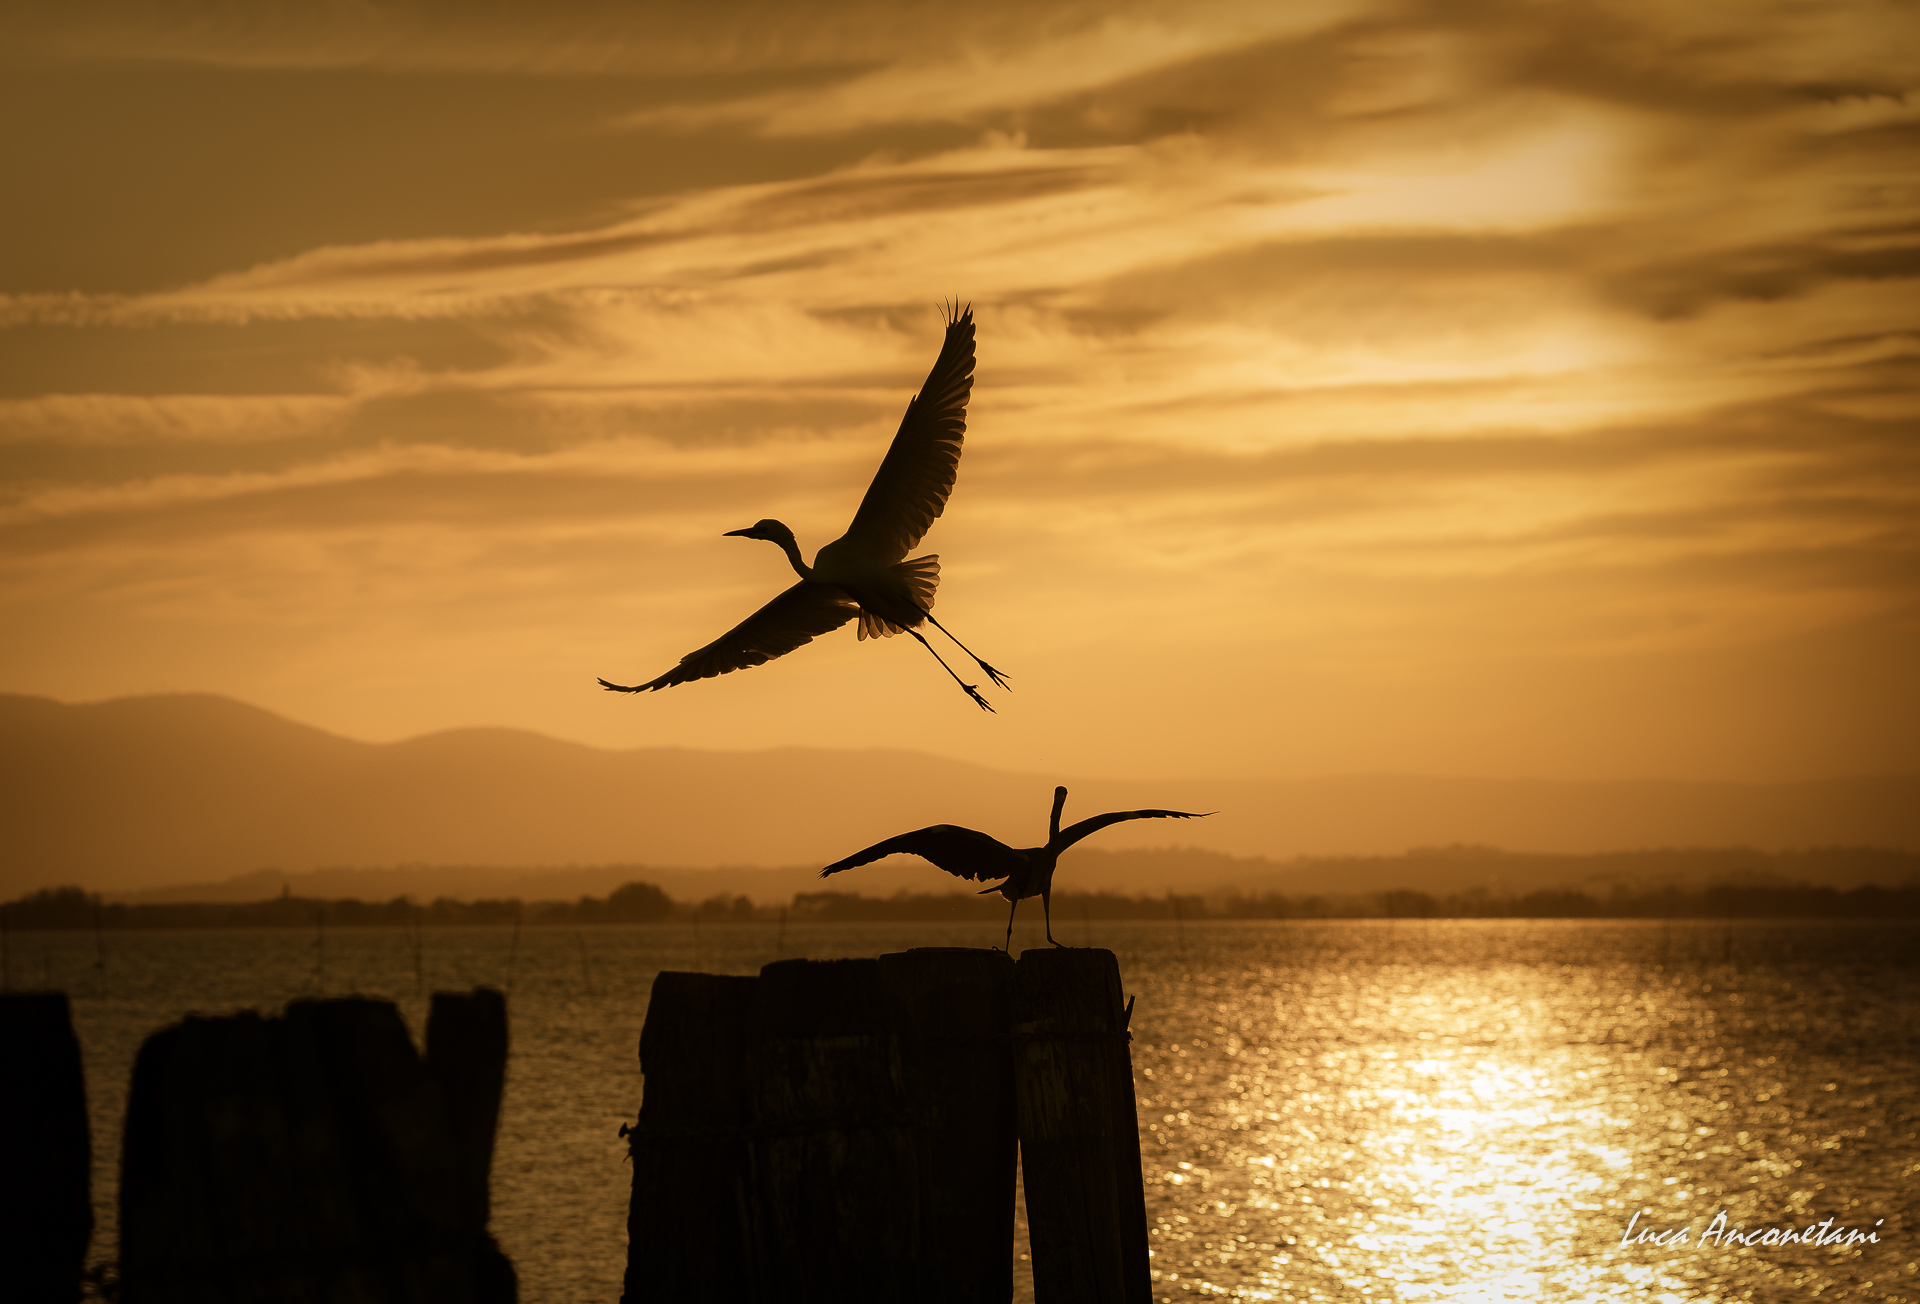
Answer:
(866, 571)
(1028, 870)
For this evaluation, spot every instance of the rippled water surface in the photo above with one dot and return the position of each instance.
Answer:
(1350, 1110)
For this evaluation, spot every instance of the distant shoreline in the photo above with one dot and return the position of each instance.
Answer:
(73, 908)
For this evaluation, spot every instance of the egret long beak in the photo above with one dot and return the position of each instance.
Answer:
(747, 533)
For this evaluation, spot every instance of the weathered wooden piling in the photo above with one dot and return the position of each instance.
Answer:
(46, 1216)
(835, 1130)
(467, 1059)
(1079, 1133)
(312, 1156)
(960, 1083)
(833, 1165)
(686, 1236)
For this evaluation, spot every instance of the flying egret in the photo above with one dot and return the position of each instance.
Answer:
(865, 572)
(973, 855)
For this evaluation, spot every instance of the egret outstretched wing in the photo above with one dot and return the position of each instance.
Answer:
(965, 852)
(1074, 832)
(790, 620)
(910, 489)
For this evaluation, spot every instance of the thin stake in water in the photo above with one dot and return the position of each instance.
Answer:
(419, 980)
(513, 950)
(586, 969)
(99, 950)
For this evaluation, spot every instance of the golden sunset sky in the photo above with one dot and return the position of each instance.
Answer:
(1518, 389)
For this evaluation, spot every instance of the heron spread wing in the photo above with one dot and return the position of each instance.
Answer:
(1074, 832)
(964, 852)
(790, 620)
(910, 490)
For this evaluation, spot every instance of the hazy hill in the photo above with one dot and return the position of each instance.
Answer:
(148, 791)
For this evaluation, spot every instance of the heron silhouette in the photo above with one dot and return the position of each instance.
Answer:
(1028, 870)
(866, 571)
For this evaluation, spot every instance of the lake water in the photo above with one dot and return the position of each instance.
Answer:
(1446, 1110)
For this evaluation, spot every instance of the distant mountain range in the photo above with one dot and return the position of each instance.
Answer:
(145, 792)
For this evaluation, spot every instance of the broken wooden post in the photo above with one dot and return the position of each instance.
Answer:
(685, 1235)
(467, 1059)
(960, 1081)
(309, 1156)
(46, 1213)
(1079, 1134)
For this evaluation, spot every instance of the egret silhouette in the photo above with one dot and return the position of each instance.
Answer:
(1028, 870)
(866, 571)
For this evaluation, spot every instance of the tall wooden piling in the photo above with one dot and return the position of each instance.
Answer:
(960, 1083)
(306, 1157)
(46, 1215)
(686, 1237)
(835, 1130)
(1079, 1133)
(835, 1211)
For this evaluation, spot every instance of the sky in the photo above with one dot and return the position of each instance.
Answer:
(1510, 389)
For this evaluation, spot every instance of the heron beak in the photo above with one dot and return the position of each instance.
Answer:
(746, 533)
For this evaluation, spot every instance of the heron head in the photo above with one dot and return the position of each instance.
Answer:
(770, 530)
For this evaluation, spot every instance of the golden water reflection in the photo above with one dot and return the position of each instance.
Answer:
(1469, 1111)
(1446, 1111)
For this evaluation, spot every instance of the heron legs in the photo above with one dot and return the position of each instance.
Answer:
(972, 692)
(992, 674)
(1046, 908)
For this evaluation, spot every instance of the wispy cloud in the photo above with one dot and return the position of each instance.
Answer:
(1333, 337)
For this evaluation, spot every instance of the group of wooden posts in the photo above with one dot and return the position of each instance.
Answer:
(312, 1157)
(839, 1130)
(846, 1130)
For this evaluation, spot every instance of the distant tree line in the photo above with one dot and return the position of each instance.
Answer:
(1722, 901)
(633, 903)
(643, 903)
(1719, 902)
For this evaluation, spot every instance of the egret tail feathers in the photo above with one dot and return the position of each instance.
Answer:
(922, 576)
(872, 626)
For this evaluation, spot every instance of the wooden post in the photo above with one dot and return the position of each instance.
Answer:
(46, 1215)
(1079, 1134)
(956, 1001)
(836, 1131)
(685, 1234)
(836, 1214)
(305, 1157)
(467, 1059)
